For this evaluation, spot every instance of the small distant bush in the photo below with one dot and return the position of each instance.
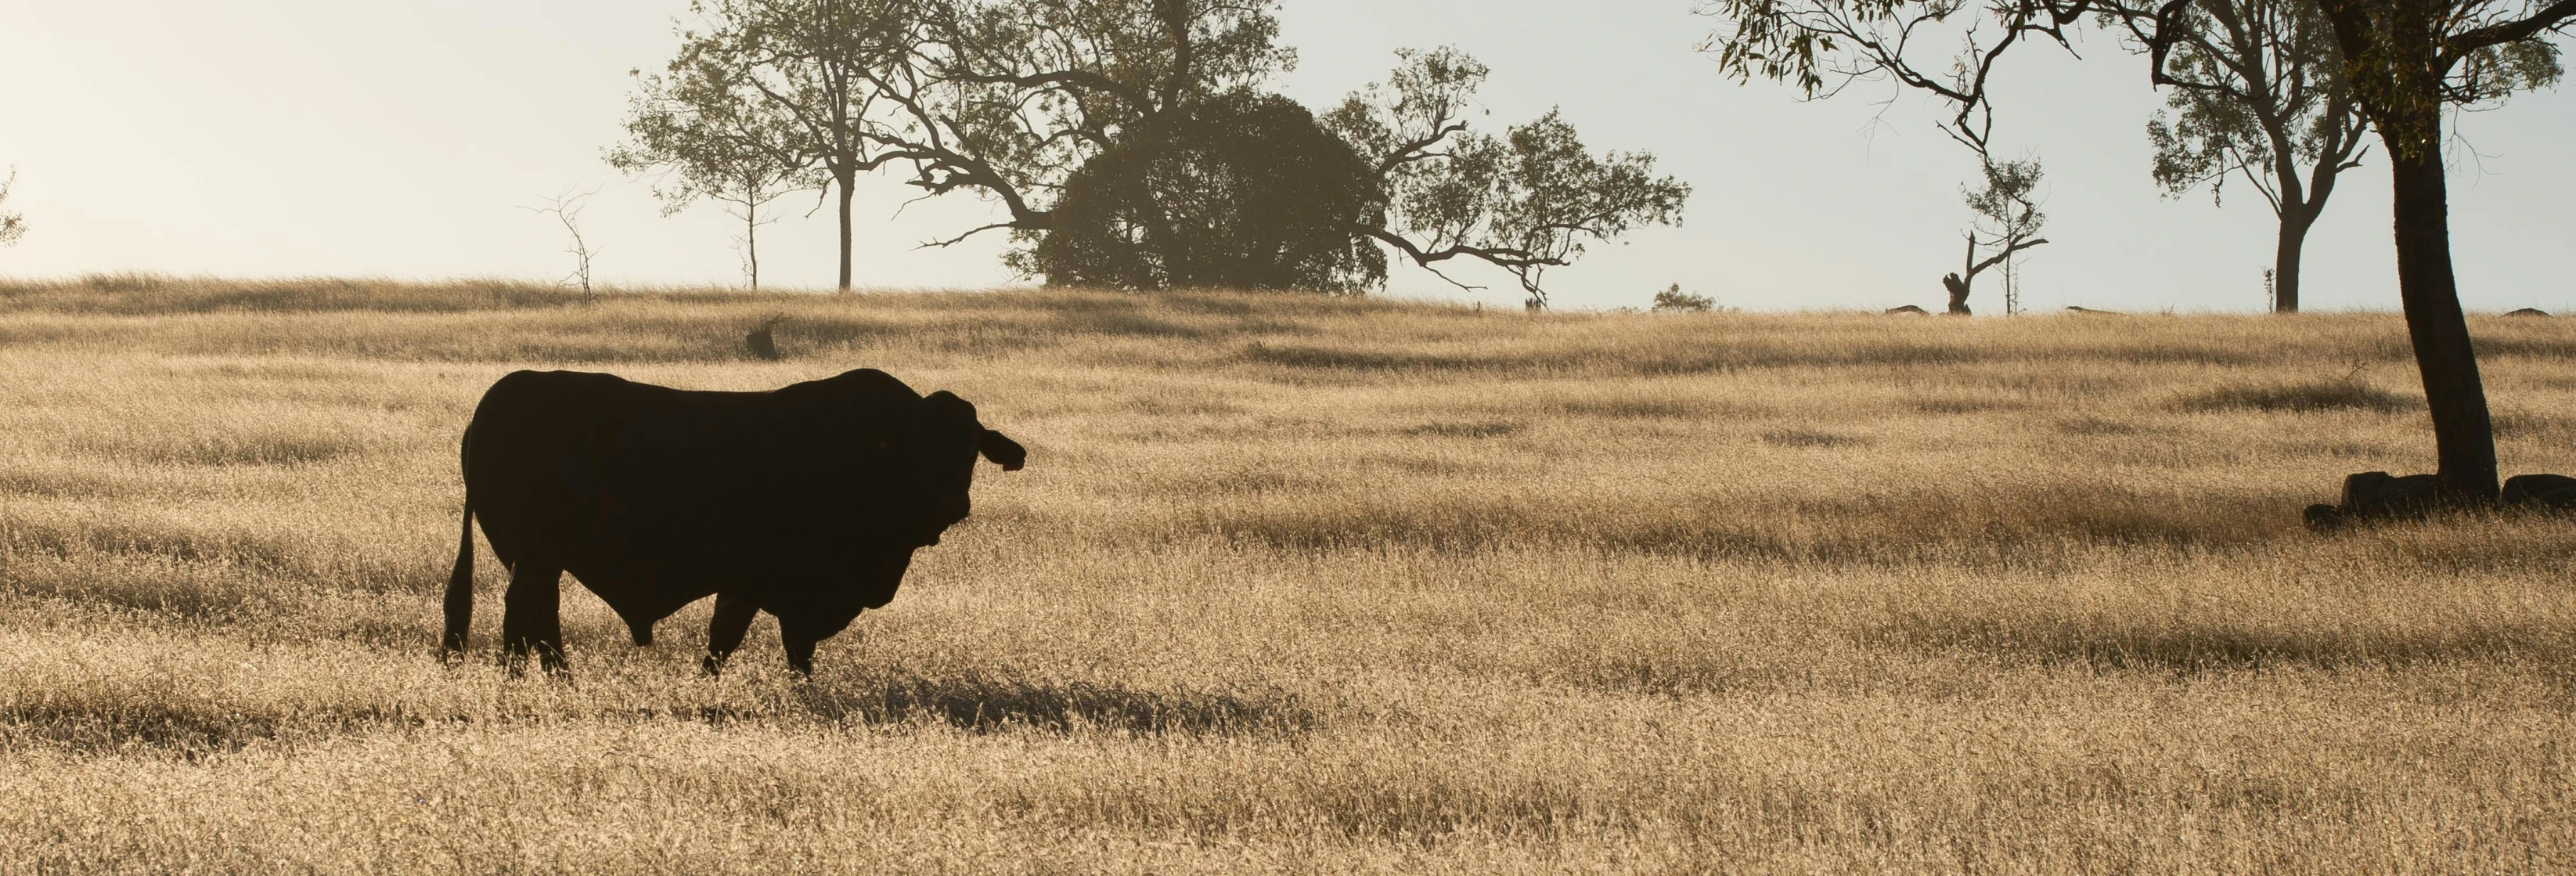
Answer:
(2322, 395)
(1674, 300)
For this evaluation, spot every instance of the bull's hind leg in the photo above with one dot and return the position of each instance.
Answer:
(532, 618)
(725, 632)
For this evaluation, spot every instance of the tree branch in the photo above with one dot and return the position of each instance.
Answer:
(2461, 44)
(2007, 253)
(953, 241)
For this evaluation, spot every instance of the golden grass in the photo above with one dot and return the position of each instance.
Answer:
(1306, 584)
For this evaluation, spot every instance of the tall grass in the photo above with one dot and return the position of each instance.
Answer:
(1305, 584)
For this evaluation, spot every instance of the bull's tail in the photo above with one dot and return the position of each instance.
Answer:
(460, 590)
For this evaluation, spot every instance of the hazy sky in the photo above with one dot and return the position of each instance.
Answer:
(403, 139)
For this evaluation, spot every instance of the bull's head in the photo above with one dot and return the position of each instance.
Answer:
(935, 460)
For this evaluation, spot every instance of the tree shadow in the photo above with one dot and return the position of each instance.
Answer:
(2212, 648)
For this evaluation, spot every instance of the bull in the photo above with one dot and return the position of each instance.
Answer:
(806, 502)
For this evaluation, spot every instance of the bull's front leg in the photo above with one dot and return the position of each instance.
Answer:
(725, 632)
(532, 618)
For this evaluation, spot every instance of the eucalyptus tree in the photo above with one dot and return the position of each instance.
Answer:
(803, 74)
(2404, 61)
(1242, 191)
(708, 136)
(2258, 93)
(1008, 98)
(1528, 200)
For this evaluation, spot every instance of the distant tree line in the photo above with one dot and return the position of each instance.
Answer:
(1131, 144)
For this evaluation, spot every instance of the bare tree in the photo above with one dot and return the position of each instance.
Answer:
(566, 207)
(2258, 91)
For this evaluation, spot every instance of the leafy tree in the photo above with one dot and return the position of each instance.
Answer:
(1524, 202)
(1008, 98)
(709, 136)
(802, 76)
(1240, 191)
(2258, 92)
(2404, 61)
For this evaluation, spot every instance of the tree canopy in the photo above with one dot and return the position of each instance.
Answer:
(1243, 191)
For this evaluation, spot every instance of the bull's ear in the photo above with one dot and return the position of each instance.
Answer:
(1002, 450)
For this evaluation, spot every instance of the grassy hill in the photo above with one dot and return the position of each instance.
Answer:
(1306, 583)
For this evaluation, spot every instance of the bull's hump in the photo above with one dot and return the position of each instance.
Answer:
(864, 387)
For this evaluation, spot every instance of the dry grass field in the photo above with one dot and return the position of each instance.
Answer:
(1311, 585)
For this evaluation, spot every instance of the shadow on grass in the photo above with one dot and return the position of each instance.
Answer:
(991, 702)
(187, 729)
(125, 719)
(2034, 528)
(2212, 648)
(2314, 396)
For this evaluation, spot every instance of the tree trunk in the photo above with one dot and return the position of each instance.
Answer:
(751, 243)
(2463, 437)
(846, 180)
(2295, 222)
(1958, 284)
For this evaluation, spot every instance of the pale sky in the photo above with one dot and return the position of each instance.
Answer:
(393, 138)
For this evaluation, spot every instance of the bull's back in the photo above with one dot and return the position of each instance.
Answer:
(623, 480)
(558, 461)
